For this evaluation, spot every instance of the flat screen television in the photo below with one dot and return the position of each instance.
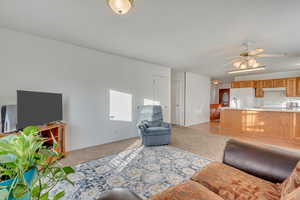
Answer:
(38, 108)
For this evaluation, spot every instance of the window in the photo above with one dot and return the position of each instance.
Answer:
(120, 106)
(150, 102)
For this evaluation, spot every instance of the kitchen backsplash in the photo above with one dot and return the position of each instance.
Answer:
(275, 98)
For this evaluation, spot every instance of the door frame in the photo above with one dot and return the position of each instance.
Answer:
(220, 96)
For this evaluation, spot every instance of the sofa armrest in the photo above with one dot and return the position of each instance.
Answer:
(265, 163)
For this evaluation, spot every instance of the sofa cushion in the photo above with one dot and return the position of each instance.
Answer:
(233, 184)
(187, 191)
(295, 195)
(292, 182)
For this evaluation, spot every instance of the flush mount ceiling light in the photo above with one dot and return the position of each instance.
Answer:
(216, 82)
(247, 70)
(120, 7)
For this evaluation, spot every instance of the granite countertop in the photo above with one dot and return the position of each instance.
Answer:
(278, 109)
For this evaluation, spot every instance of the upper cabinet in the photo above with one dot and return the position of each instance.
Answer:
(267, 83)
(259, 89)
(298, 87)
(279, 83)
(292, 85)
(243, 84)
(235, 84)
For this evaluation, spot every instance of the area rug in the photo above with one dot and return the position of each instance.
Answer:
(144, 170)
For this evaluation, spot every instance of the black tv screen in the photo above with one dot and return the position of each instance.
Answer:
(38, 108)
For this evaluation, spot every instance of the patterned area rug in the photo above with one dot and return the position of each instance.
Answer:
(144, 170)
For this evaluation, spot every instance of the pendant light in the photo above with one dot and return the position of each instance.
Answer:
(120, 7)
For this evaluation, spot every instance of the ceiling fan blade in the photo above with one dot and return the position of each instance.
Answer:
(271, 55)
(253, 53)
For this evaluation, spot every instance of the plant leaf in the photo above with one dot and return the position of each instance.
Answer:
(20, 190)
(68, 170)
(59, 195)
(31, 130)
(44, 196)
(4, 194)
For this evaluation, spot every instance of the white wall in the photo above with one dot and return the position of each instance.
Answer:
(84, 77)
(197, 99)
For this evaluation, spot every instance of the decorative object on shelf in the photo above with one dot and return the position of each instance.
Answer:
(120, 7)
(28, 170)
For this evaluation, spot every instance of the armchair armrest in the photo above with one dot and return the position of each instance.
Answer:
(143, 125)
(166, 125)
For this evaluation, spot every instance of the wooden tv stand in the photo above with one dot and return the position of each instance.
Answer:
(57, 130)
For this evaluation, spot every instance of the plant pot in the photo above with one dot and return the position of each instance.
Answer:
(28, 176)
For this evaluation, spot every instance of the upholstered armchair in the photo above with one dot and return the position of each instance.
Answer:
(153, 131)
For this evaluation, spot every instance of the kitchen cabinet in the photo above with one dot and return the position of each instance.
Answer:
(298, 87)
(279, 83)
(291, 87)
(243, 84)
(235, 84)
(247, 84)
(267, 83)
(259, 89)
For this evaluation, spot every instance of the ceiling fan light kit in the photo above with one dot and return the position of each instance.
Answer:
(247, 61)
(247, 70)
(120, 7)
(216, 82)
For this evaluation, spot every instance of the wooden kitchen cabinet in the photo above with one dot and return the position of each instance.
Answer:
(298, 86)
(247, 84)
(267, 83)
(279, 83)
(291, 87)
(235, 84)
(259, 89)
(243, 84)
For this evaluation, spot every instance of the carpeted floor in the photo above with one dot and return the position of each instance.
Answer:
(144, 170)
(199, 142)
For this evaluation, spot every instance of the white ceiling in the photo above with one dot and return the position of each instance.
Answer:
(194, 35)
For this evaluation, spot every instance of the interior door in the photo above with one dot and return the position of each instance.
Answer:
(224, 97)
(161, 94)
(178, 104)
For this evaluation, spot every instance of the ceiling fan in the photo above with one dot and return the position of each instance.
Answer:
(247, 60)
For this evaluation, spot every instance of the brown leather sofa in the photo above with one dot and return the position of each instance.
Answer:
(248, 172)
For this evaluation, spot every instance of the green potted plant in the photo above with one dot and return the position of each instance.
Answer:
(27, 168)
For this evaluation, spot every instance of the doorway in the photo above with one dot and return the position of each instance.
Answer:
(224, 97)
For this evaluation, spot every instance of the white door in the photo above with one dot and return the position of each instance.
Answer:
(178, 102)
(161, 94)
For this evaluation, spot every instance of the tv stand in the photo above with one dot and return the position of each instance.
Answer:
(46, 131)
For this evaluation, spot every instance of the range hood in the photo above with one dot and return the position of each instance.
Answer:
(274, 89)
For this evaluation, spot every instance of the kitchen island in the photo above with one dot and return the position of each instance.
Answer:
(276, 124)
